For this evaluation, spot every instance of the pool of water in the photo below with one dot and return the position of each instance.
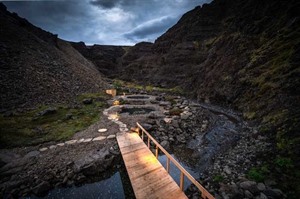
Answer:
(110, 188)
(137, 111)
(115, 187)
(175, 172)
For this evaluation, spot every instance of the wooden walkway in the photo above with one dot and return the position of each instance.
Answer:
(148, 177)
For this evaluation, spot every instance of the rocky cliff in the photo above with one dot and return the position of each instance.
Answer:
(105, 57)
(243, 54)
(239, 53)
(39, 68)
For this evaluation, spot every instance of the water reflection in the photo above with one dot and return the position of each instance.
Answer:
(111, 188)
(175, 172)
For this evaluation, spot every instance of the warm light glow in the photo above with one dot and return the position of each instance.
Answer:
(112, 92)
(116, 103)
(149, 158)
(114, 116)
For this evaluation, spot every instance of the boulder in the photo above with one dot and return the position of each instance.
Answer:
(165, 144)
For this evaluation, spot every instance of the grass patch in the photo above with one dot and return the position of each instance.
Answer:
(218, 178)
(258, 174)
(121, 86)
(31, 128)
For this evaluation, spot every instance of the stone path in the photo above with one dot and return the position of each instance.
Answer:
(113, 117)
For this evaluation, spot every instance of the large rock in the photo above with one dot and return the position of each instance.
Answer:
(250, 186)
(165, 144)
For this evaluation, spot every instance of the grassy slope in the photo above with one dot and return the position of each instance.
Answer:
(29, 128)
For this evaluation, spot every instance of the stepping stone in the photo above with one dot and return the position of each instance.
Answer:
(71, 142)
(61, 144)
(122, 125)
(43, 149)
(111, 136)
(99, 138)
(87, 140)
(168, 120)
(102, 130)
(118, 122)
(52, 147)
(124, 129)
(81, 140)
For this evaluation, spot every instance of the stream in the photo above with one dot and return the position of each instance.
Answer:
(195, 156)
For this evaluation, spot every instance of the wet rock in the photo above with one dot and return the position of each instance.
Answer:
(261, 186)
(273, 193)
(48, 111)
(227, 170)
(32, 154)
(262, 196)
(248, 194)
(250, 186)
(165, 144)
(147, 127)
(41, 189)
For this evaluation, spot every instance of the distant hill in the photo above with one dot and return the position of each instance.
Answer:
(36, 67)
(105, 57)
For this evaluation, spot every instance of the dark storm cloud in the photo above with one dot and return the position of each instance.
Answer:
(119, 22)
(105, 3)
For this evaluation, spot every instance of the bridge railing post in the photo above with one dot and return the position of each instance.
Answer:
(156, 152)
(181, 180)
(204, 193)
(168, 165)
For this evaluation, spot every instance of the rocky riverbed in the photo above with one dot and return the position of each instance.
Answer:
(215, 142)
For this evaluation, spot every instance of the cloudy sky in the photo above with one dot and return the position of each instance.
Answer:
(116, 22)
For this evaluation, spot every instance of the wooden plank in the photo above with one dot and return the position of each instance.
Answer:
(148, 177)
(204, 192)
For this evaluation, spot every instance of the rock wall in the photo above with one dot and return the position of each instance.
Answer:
(39, 68)
(243, 54)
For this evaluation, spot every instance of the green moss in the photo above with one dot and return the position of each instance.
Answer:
(30, 128)
(258, 174)
(218, 178)
(284, 162)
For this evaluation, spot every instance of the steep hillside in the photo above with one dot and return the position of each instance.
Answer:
(239, 53)
(39, 68)
(105, 57)
(243, 54)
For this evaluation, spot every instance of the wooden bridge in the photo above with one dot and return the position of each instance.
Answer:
(148, 177)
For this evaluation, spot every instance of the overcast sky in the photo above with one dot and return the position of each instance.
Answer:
(116, 22)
